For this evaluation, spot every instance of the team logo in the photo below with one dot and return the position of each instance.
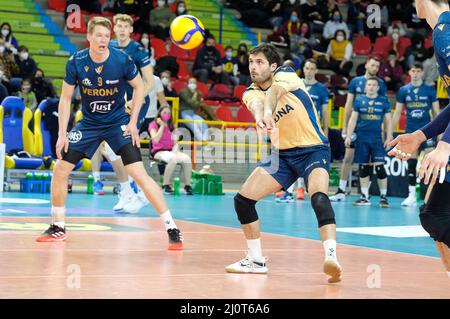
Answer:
(102, 107)
(112, 81)
(441, 26)
(86, 82)
(408, 99)
(99, 69)
(86, 68)
(74, 136)
(324, 162)
(417, 114)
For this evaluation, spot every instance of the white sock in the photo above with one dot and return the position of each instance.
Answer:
(330, 249)
(383, 191)
(58, 215)
(291, 189)
(365, 191)
(300, 182)
(126, 187)
(342, 184)
(412, 191)
(96, 176)
(254, 249)
(168, 220)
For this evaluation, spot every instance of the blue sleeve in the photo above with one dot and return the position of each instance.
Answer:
(432, 94)
(439, 125)
(142, 58)
(401, 96)
(71, 72)
(324, 97)
(352, 87)
(356, 105)
(387, 106)
(131, 70)
(383, 88)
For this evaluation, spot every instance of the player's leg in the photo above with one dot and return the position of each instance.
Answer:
(377, 154)
(96, 162)
(412, 180)
(362, 157)
(345, 170)
(258, 185)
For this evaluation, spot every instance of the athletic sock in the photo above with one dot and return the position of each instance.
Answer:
(254, 249)
(383, 192)
(365, 191)
(342, 185)
(169, 223)
(126, 187)
(58, 216)
(96, 176)
(329, 247)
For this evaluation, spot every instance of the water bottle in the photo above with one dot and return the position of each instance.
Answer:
(418, 192)
(29, 176)
(176, 186)
(90, 184)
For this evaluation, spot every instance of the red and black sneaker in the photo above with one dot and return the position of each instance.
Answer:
(53, 233)
(175, 239)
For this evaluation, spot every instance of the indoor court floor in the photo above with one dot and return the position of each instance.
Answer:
(384, 252)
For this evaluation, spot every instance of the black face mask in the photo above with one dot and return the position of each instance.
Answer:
(209, 48)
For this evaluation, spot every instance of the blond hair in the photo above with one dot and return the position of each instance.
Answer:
(123, 18)
(98, 21)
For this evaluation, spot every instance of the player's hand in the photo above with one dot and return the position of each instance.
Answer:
(344, 134)
(62, 144)
(434, 162)
(266, 122)
(348, 141)
(132, 130)
(406, 144)
(160, 122)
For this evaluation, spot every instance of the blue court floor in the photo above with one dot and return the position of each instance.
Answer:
(395, 229)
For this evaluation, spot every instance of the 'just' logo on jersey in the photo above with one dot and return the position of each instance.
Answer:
(102, 107)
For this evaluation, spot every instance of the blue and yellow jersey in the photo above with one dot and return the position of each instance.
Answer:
(102, 85)
(357, 86)
(418, 101)
(319, 95)
(441, 44)
(371, 115)
(296, 119)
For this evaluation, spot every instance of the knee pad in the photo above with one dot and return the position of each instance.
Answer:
(365, 170)
(412, 165)
(381, 171)
(245, 209)
(110, 153)
(130, 154)
(322, 207)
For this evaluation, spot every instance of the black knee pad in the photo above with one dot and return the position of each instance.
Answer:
(322, 207)
(412, 165)
(245, 209)
(72, 156)
(365, 170)
(130, 154)
(381, 171)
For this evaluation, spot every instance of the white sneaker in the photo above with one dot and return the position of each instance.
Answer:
(136, 204)
(332, 268)
(124, 198)
(248, 266)
(338, 197)
(409, 202)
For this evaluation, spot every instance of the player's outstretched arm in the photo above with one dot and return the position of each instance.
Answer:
(273, 94)
(149, 81)
(438, 125)
(63, 118)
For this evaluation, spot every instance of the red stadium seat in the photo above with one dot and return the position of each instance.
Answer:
(221, 49)
(178, 52)
(178, 85)
(362, 45)
(403, 44)
(239, 91)
(244, 115)
(224, 114)
(159, 47)
(203, 88)
(57, 5)
(428, 43)
(222, 88)
(183, 73)
(382, 47)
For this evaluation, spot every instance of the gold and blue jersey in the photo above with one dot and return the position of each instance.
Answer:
(296, 119)
(441, 44)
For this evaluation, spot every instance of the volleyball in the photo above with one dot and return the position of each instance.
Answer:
(187, 32)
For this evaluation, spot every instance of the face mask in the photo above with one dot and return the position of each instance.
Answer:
(165, 117)
(26, 87)
(209, 47)
(340, 38)
(24, 55)
(165, 81)
(229, 54)
(5, 32)
(181, 9)
(292, 2)
(395, 36)
(2, 49)
(192, 86)
(1, 74)
(294, 19)
(304, 29)
(145, 41)
(336, 18)
(161, 3)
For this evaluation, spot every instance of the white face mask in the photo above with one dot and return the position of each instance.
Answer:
(229, 54)
(145, 41)
(24, 55)
(161, 3)
(2, 49)
(5, 32)
(340, 38)
(192, 86)
(181, 9)
(165, 81)
(395, 36)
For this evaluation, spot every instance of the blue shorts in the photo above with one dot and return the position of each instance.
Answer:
(87, 138)
(286, 166)
(369, 151)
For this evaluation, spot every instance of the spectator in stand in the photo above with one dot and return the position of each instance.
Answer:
(207, 64)
(230, 65)
(335, 23)
(156, 97)
(181, 8)
(167, 82)
(10, 67)
(160, 19)
(3, 78)
(7, 35)
(27, 95)
(430, 70)
(339, 54)
(287, 32)
(303, 49)
(398, 42)
(315, 14)
(191, 108)
(243, 66)
(416, 52)
(290, 5)
(356, 17)
(331, 8)
(391, 71)
(27, 66)
(413, 22)
(145, 41)
(42, 87)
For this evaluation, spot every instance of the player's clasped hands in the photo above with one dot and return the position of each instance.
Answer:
(131, 129)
